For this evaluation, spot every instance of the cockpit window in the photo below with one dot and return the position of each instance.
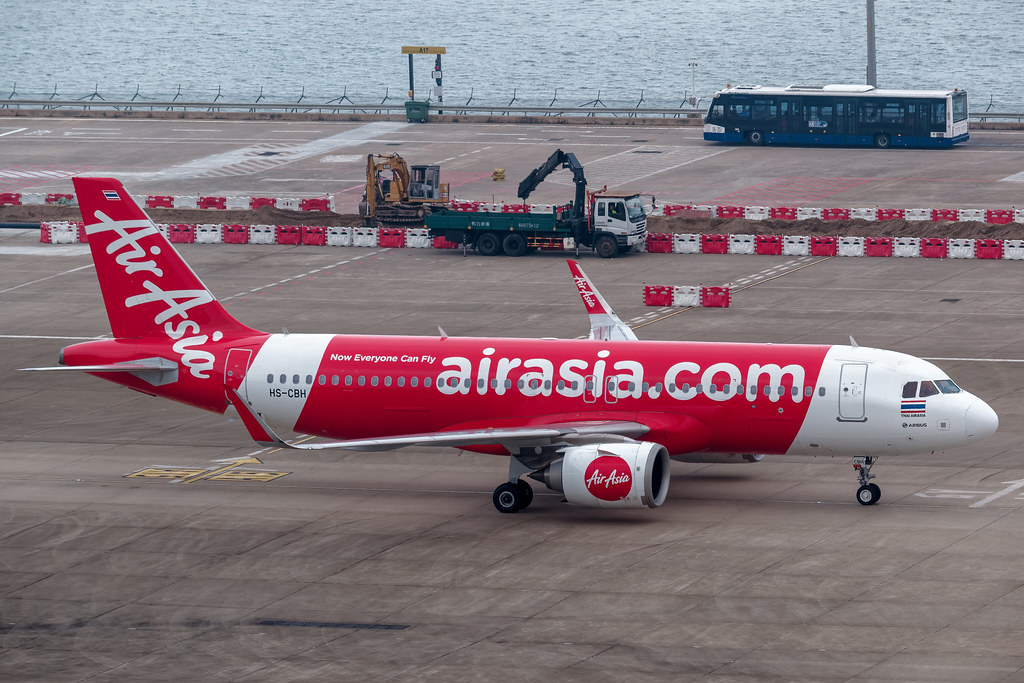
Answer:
(910, 390)
(928, 389)
(947, 386)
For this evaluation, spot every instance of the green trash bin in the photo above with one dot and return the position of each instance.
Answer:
(416, 111)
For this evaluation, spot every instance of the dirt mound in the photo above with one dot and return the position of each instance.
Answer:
(265, 215)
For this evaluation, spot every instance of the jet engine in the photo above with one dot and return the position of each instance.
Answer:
(611, 475)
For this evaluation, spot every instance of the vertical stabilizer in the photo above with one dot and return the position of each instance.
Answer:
(147, 287)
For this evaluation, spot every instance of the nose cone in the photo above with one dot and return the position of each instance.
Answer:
(981, 421)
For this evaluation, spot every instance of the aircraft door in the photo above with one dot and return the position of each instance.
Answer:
(235, 367)
(852, 380)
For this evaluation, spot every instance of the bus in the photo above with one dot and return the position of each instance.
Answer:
(837, 115)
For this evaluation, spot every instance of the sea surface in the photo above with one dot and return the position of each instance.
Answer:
(534, 51)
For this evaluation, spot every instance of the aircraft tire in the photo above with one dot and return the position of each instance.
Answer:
(869, 494)
(527, 493)
(508, 498)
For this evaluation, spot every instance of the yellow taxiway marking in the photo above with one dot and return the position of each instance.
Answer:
(225, 471)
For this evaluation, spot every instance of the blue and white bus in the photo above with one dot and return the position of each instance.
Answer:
(837, 115)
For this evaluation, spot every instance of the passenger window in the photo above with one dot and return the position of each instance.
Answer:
(322, 379)
(645, 386)
(387, 381)
(726, 388)
(547, 385)
(494, 383)
(426, 382)
(468, 383)
(481, 383)
(270, 379)
(821, 391)
(334, 380)
(362, 380)
(414, 381)
(373, 381)
(795, 391)
(947, 386)
(561, 384)
(928, 389)
(508, 384)
(808, 391)
(348, 380)
(284, 379)
(767, 390)
(910, 390)
(295, 379)
(699, 388)
(401, 381)
(575, 385)
(712, 388)
(686, 387)
(309, 379)
(781, 391)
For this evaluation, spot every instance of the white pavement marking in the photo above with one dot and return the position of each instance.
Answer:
(43, 279)
(301, 275)
(1015, 178)
(629, 166)
(260, 157)
(1013, 486)
(12, 132)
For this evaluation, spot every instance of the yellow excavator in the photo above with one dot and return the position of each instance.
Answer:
(397, 195)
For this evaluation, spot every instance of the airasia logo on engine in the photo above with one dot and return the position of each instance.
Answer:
(608, 478)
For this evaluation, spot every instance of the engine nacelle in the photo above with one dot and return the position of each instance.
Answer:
(725, 458)
(619, 475)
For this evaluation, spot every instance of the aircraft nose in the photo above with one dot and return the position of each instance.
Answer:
(981, 421)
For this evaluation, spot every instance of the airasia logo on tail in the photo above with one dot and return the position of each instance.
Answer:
(608, 478)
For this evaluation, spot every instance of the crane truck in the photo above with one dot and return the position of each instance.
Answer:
(610, 224)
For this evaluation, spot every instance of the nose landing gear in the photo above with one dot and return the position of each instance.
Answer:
(868, 493)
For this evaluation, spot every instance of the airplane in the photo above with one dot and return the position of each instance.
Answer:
(597, 419)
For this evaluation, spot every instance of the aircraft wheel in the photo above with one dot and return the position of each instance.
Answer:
(868, 494)
(514, 244)
(488, 244)
(527, 493)
(508, 498)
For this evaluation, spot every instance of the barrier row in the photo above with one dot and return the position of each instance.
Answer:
(822, 245)
(183, 202)
(793, 213)
(66, 232)
(687, 296)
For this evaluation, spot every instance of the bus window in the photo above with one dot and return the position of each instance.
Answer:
(893, 113)
(716, 113)
(764, 110)
(960, 106)
(739, 111)
(938, 115)
(868, 113)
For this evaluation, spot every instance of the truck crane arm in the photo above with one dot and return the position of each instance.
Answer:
(556, 160)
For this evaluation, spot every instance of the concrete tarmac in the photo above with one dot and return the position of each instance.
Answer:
(143, 540)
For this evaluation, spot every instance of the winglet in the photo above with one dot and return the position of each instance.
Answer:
(604, 324)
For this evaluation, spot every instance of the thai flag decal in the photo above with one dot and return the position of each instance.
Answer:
(111, 194)
(912, 407)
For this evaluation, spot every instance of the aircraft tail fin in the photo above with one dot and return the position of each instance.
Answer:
(147, 287)
(604, 324)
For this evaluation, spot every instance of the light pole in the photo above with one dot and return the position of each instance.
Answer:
(693, 84)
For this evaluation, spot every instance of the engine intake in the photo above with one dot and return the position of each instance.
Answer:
(620, 475)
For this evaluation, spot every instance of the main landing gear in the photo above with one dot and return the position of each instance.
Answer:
(868, 493)
(515, 494)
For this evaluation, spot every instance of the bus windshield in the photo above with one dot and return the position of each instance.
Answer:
(959, 106)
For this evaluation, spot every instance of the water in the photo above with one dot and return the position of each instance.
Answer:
(533, 48)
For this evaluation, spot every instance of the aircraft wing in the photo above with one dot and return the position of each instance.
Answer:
(604, 324)
(263, 434)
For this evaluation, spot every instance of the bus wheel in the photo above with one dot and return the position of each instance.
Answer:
(882, 141)
(606, 246)
(514, 244)
(488, 244)
(755, 137)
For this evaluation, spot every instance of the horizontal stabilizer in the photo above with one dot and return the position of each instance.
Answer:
(156, 371)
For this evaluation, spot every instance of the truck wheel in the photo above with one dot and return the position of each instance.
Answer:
(606, 246)
(488, 244)
(514, 244)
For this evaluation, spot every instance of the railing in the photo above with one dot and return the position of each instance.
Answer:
(388, 109)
